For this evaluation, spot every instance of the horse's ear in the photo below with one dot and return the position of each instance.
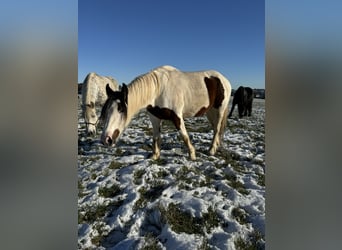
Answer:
(124, 91)
(109, 91)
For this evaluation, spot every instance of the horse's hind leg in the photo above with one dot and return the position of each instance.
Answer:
(213, 117)
(241, 109)
(156, 137)
(245, 108)
(216, 117)
(250, 108)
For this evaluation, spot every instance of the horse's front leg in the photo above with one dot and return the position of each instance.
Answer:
(184, 133)
(156, 137)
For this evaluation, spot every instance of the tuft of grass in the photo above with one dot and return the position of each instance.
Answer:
(149, 195)
(240, 215)
(93, 176)
(96, 240)
(182, 173)
(233, 159)
(238, 167)
(261, 179)
(141, 202)
(102, 233)
(254, 241)
(80, 189)
(189, 182)
(92, 213)
(210, 219)
(238, 127)
(151, 243)
(160, 162)
(106, 172)
(162, 174)
(109, 192)
(197, 179)
(115, 165)
(146, 147)
(236, 184)
(183, 179)
(181, 221)
(204, 245)
(228, 156)
(138, 175)
(204, 128)
(118, 151)
(95, 158)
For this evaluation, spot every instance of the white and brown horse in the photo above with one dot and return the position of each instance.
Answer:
(168, 94)
(94, 95)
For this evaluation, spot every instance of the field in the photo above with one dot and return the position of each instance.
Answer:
(128, 201)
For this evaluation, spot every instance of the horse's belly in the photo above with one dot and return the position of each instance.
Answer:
(196, 110)
(189, 114)
(192, 109)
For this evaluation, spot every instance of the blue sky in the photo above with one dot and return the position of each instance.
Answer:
(126, 38)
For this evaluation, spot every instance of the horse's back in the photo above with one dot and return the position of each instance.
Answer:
(195, 82)
(191, 90)
(94, 88)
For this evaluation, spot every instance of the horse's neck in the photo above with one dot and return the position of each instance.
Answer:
(89, 94)
(140, 95)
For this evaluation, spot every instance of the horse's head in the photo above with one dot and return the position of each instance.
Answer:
(114, 114)
(90, 118)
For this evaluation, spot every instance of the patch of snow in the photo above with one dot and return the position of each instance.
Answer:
(230, 180)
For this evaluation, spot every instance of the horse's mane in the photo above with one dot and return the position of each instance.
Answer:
(141, 91)
(146, 83)
(145, 88)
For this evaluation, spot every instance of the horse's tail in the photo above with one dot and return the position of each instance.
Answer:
(223, 122)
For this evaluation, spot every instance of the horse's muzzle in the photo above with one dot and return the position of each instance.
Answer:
(91, 133)
(109, 140)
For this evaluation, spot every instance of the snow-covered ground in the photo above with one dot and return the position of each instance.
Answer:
(128, 201)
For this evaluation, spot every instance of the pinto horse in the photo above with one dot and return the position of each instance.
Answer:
(168, 94)
(94, 94)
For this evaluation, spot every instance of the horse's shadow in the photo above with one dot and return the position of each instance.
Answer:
(171, 146)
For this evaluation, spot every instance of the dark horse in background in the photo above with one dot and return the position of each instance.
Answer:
(243, 97)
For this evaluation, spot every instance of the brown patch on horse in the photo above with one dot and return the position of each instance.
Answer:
(115, 134)
(215, 94)
(164, 114)
(202, 111)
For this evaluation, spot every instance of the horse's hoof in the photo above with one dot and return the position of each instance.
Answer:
(212, 152)
(155, 157)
